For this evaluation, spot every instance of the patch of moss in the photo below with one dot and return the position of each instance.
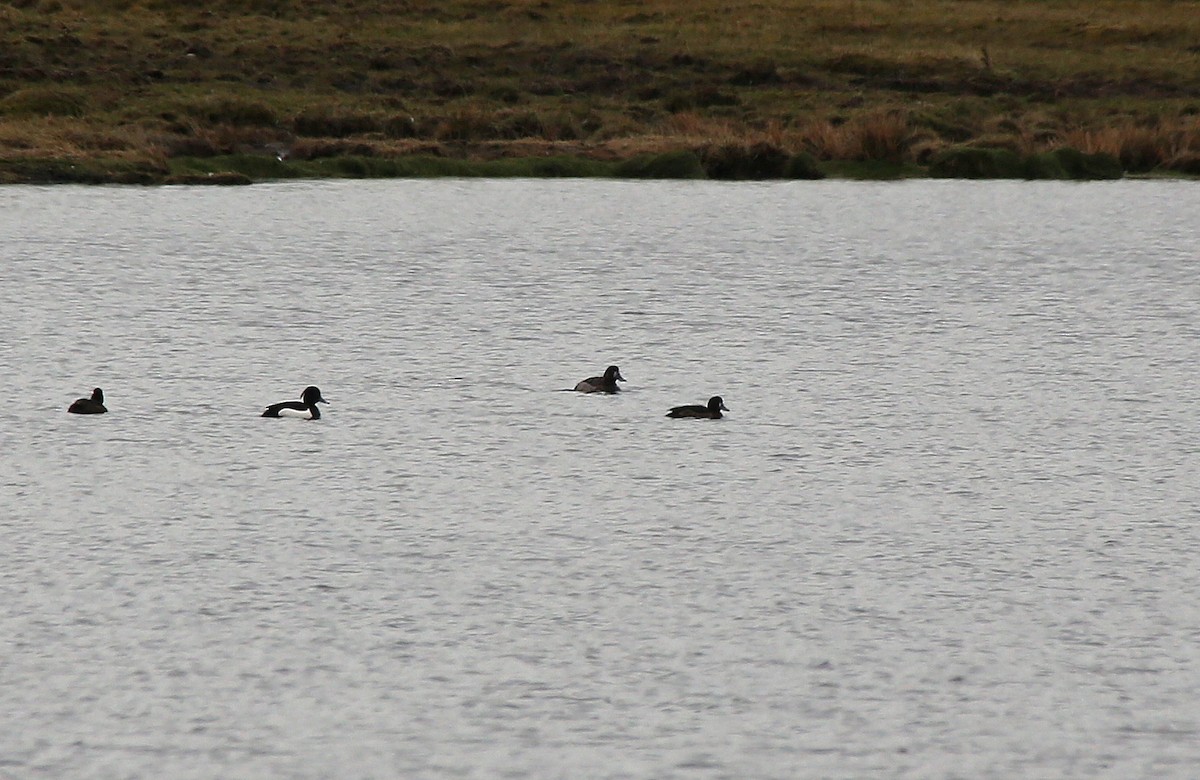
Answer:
(549, 167)
(740, 162)
(255, 167)
(1045, 166)
(1080, 165)
(45, 101)
(225, 178)
(669, 165)
(1067, 163)
(968, 162)
(1062, 163)
(802, 166)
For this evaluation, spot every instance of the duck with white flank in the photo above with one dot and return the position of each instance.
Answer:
(305, 408)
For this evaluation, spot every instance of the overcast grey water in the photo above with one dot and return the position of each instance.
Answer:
(950, 527)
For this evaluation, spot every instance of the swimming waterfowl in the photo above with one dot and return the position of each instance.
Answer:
(306, 407)
(93, 405)
(602, 384)
(710, 412)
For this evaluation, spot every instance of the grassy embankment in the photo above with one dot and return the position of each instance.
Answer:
(157, 90)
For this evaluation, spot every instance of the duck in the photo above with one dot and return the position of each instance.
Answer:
(710, 412)
(93, 405)
(602, 384)
(305, 408)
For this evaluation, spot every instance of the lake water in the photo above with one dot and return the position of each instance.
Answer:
(950, 528)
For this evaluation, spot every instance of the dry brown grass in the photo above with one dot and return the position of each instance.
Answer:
(58, 149)
(886, 135)
(1141, 148)
(692, 129)
(70, 139)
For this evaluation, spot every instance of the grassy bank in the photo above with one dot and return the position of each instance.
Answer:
(242, 90)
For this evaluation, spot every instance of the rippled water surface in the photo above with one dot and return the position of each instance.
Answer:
(950, 528)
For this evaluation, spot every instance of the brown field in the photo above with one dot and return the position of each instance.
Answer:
(148, 86)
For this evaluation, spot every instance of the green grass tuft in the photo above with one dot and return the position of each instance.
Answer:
(969, 162)
(802, 166)
(45, 102)
(548, 167)
(1079, 165)
(669, 165)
